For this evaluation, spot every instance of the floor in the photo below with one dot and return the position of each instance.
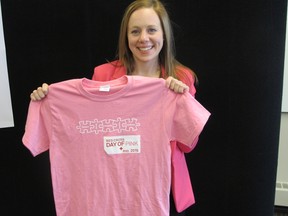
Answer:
(281, 211)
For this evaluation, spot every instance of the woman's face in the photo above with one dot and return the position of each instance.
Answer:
(145, 35)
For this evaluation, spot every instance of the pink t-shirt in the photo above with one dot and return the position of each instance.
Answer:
(181, 184)
(109, 143)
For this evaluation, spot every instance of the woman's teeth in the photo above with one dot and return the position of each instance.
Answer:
(145, 48)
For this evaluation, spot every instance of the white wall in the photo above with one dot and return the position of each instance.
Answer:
(6, 115)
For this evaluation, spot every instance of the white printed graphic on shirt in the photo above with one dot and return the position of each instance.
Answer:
(108, 125)
(122, 144)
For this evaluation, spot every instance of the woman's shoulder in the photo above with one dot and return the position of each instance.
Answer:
(109, 65)
(108, 71)
(184, 69)
(187, 76)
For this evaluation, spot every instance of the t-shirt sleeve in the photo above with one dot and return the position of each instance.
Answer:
(189, 119)
(36, 135)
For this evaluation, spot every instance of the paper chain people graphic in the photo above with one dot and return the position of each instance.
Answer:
(108, 125)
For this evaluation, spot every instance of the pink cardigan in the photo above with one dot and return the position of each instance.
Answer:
(181, 184)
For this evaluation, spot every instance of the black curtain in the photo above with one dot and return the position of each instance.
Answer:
(235, 47)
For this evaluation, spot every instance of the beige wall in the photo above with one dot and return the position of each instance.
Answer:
(282, 171)
(282, 174)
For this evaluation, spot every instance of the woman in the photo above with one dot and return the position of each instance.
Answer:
(146, 48)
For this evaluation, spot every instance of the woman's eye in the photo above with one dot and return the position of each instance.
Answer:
(152, 30)
(134, 32)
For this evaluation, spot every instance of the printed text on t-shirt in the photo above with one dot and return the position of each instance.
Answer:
(122, 144)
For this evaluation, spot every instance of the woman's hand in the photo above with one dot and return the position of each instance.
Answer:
(176, 85)
(40, 92)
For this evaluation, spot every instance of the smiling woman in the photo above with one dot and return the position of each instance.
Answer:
(146, 48)
(238, 51)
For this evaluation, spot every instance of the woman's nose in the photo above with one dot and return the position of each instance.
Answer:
(143, 37)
